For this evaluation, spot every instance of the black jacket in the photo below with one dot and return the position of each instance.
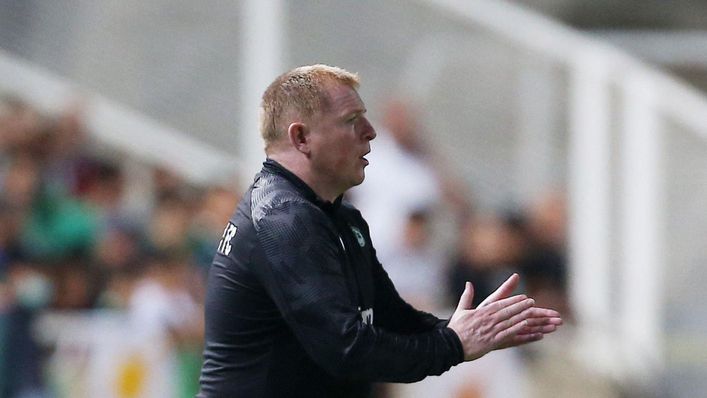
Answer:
(298, 304)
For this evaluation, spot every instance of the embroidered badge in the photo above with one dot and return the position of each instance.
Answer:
(359, 236)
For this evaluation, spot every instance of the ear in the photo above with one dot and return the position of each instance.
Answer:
(298, 134)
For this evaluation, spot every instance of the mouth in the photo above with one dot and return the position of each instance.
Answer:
(364, 159)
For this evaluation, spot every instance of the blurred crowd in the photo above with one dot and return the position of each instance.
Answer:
(69, 242)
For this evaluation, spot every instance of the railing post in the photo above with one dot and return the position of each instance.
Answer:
(262, 42)
(589, 183)
(641, 252)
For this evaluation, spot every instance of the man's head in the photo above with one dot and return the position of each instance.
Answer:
(298, 94)
(313, 123)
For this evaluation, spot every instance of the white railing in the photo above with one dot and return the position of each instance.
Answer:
(124, 129)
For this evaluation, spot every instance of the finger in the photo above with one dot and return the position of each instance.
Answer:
(501, 304)
(533, 322)
(503, 336)
(503, 291)
(521, 339)
(467, 298)
(545, 312)
(545, 329)
(515, 312)
(520, 316)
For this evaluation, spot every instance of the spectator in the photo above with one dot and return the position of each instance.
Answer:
(28, 292)
(169, 226)
(399, 180)
(165, 310)
(488, 251)
(414, 265)
(545, 262)
(402, 199)
(212, 215)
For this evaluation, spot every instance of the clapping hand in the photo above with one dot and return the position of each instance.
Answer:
(500, 321)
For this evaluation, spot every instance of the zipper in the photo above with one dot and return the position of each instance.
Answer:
(353, 271)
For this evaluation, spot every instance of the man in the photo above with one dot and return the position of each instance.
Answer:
(297, 303)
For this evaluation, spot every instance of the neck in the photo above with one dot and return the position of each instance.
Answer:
(297, 165)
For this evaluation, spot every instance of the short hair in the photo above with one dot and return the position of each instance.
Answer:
(301, 90)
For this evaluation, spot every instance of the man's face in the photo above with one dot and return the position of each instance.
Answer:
(340, 138)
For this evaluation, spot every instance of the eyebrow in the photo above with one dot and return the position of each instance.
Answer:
(357, 112)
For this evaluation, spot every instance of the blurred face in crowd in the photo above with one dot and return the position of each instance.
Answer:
(548, 220)
(400, 120)
(21, 181)
(487, 242)
(340, 137)
(19, 124)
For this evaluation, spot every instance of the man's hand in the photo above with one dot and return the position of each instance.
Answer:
(500, 321)
(541, 322)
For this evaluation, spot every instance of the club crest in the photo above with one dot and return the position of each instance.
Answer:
(359, 236)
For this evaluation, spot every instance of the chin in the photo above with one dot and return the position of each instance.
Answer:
(357, 181)
(360, 178)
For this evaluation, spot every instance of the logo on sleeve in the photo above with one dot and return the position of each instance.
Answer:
(359, 236)
(367, 316)
(224, 246)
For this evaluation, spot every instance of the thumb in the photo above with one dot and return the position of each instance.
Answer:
(467, 297)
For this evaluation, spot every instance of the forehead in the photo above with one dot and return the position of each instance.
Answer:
(342, 99)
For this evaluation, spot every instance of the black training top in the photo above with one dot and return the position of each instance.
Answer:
(299, 306)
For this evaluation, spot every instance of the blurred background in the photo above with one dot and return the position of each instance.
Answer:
(565, 140)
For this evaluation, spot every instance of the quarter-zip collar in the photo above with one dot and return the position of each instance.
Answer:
(273, 167)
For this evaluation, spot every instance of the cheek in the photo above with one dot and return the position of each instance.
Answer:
(332, 159)
(341, 152)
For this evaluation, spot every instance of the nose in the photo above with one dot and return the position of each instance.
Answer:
(369, 133)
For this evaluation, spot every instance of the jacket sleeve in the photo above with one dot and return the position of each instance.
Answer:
(305, 279)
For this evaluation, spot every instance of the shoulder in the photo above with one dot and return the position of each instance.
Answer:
(274, 199)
